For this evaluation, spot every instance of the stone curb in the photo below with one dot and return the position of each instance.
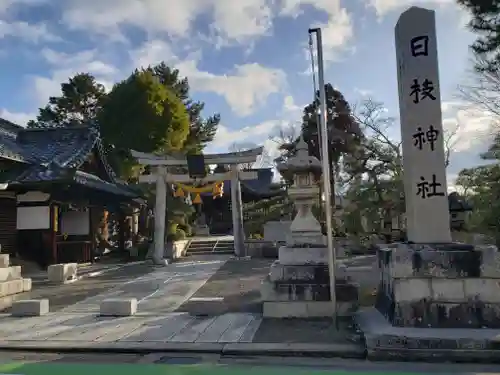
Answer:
(232, 349)
(434, 355)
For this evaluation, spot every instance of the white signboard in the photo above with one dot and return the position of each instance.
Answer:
(75, 223)
(33, 218)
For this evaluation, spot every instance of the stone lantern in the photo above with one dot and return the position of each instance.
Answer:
(298, 283)
(305, 228)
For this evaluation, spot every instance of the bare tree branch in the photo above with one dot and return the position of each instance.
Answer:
(450, 140)
(483, 89)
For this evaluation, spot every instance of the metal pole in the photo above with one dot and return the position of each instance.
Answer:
(326, 168)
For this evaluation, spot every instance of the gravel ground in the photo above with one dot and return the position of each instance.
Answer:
(234, 288)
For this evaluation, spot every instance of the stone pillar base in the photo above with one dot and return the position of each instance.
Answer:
(439, 285)
(303, 291)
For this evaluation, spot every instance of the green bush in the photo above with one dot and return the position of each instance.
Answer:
(187, 229)
(179, 235)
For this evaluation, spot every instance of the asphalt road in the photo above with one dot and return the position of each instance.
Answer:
(240, 365)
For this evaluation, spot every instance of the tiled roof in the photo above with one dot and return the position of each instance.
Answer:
(55, 155)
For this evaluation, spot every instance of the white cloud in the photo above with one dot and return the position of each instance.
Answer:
(6, 5)
(256, 134)
(382, 7)
(290, 107)
(244, 88)
(18, 118)
(233, 21)
(474, 127)
(67, 65)
(363, 92)
(34, 33)
(336, 32)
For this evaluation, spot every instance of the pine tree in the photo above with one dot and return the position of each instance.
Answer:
(486, 23)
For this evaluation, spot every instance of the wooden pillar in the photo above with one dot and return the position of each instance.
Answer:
(54, 228)
(121, 229)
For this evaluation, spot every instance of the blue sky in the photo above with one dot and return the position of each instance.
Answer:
(247, 59)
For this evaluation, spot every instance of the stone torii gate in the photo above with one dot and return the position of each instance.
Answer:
(162, 177)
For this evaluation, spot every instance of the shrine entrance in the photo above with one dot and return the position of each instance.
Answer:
(196, 165)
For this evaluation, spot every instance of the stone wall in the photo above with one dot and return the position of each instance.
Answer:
(12, 284)
(439, 286)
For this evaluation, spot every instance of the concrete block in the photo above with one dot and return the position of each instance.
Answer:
(118, 307)
(8, 288)
(31, 307)
(10, 273)
(4, 260)
(62, 273)
(411, 290)
(27, 284)
(447, 290)
(484, 290)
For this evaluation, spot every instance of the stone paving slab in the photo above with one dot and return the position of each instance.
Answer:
(161, 291)
(228, 349)
(234, 288)
(91, 328)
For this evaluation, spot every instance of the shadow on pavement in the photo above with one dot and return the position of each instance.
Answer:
(235, 287)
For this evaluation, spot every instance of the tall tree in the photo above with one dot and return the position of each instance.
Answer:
(80, 102)
(486, 23)
(140, 113)
(343, 131)
(201, 130)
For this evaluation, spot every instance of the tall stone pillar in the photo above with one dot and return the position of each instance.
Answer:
(237, 213)
(160, 211)
(421, 122)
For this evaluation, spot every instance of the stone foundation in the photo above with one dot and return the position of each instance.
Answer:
(12, 284)
(442, 286)
(303, 291)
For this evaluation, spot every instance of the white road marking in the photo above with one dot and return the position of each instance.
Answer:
(205, 299)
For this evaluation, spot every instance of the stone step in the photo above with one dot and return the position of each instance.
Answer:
(272, 291)
(307, 273)
(10, 273)
(11, 287)
(4, 260)
(7, 301)
(202, 252)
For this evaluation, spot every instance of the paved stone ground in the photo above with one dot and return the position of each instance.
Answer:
(202, 299)
(234, 288)
(61, 296)
(159, 292)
